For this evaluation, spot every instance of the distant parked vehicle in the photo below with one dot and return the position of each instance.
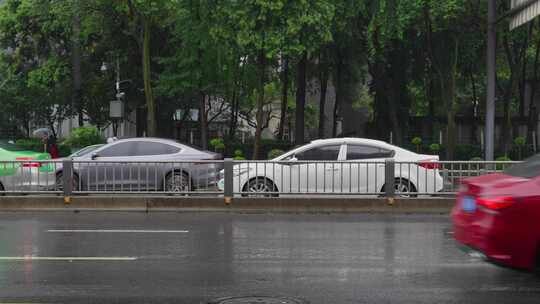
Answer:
(143, 164)
(339, 165)
(22, 170)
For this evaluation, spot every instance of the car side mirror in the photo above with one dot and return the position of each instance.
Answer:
(94, 156)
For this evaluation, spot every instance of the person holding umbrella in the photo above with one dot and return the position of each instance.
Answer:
(49, 141)
(51, 147)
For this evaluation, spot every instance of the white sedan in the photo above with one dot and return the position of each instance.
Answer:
(341, 166)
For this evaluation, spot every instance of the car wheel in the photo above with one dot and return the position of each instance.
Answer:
(177, 182)
(404, 187)
(60, 182)
(260, 187)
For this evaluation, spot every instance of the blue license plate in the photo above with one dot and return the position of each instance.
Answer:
(468, 204)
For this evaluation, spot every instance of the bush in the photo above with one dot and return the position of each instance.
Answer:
(502, 158)
(417, 141)
(34, 144)
(266, 146)
(64, 150)
(239, 155)
(275, 153)
(465, 152)
(477, 159)
(217, 144)
(519, 141)
(83, 137)
(435, 148)
(30, 144)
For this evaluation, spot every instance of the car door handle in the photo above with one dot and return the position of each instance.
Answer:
(332, 169)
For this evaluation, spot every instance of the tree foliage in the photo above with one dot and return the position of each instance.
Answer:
(243, 60)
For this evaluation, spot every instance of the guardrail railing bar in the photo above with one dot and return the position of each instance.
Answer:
(67, 176)
(389, 178)
(103, 176)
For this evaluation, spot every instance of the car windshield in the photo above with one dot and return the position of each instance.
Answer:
(85, 150)
(528, 168)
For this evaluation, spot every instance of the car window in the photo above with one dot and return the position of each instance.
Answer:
(120, 149)
(85, 151)
(355, 152)
(528, 168)
(320, 153)
(154, 148)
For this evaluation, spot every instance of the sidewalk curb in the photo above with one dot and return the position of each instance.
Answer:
(213, 204)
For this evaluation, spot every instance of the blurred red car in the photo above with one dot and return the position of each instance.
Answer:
(499, 215)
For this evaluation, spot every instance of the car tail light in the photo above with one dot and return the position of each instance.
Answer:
(496, 203)
(429, 164)
(28, 164)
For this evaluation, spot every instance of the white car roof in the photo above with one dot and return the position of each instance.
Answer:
(353, 140)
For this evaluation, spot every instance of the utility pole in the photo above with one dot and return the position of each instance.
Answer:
(491, 80)
(521, 12)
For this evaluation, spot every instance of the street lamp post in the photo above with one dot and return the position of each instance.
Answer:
(116, 107)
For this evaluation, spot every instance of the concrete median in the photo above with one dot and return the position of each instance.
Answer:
(217, 204)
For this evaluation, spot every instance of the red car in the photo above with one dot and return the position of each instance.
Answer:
(499, 215)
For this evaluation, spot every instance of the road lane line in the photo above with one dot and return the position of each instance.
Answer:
(44, 258)
(114, 231)
(20, 303)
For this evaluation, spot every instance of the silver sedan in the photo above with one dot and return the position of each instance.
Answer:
(144, 164)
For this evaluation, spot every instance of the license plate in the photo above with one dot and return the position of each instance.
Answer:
(468, 204)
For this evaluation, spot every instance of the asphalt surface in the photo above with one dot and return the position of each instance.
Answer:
(195, 257)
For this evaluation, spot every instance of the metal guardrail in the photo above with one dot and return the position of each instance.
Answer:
(231, 178)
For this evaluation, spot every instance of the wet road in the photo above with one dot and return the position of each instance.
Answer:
(192, 258)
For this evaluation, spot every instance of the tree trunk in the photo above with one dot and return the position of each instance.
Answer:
(284, 95)
(523, 77)
(337, 89)
(323, 81)
(448, 91)
(260, 104)
(149, 96)
(300, 99)
(233, 123)
(76, 102)
(475, 105)
(394, 121)
(506, 130)
(429, 83)
(533, 116)
(514, 61)
(203, 120)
